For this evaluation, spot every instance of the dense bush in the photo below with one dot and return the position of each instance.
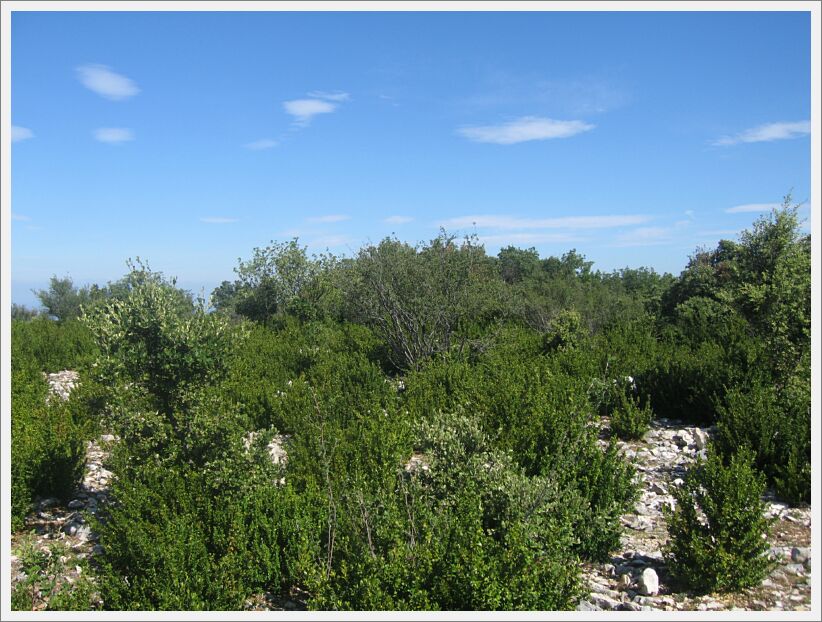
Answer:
(468, 530)
(48, 446)
(183, 538)
(629, 420)
(428, 299)
(51, 346)
(717, 530)
(775, 425)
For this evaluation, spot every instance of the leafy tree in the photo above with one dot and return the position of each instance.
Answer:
(425, 300)
(516, 264)
(63, 300)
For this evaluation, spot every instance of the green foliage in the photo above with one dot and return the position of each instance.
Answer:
(775, 426)
(152, 342)
(181, 538)
(529, 405)
(51, 346)
(718, 531)
(630, 421)
(428, 299)
(22, 312)
(63, 300)
(469, 531)
(278, 280)
(48, 445)
(565, 333)
(438, 409)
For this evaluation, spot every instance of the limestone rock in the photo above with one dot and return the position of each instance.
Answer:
(648, 582)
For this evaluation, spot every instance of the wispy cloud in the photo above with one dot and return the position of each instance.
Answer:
(752, 207)
(329, 218)
(397, 220)
(565, 222)
(263, 143)
(217, 220)
(20, 217)
(529, 238)
(582, 96)
(106, 83)
(331, 241)
(765, 133)
(113, 135)
(19, 133)
(336, 96)
(644, 236)
(304, 110)
(524, 129)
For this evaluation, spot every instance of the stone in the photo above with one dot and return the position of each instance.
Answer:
(648, 582)
(800, 555)
(700, 439)
(587, 606)
(658, 488)
(604, 602)
(75, 504)
(624, 581)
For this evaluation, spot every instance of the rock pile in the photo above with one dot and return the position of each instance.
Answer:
(62, 382)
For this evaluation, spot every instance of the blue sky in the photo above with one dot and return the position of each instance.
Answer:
(190, 138)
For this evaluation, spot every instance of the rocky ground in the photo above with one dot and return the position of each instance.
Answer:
(636, 578)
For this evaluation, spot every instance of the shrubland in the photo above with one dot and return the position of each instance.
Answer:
(440, 410)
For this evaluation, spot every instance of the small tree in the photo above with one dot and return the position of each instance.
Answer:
(63, 300)
(425, 300)
(718, 530)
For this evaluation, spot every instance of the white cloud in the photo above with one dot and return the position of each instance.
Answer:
(263, 143)
(19, 133)
(765, 133)
(336, 96)
(113, 135)
(752, 207)
(217, 220)
(397, 220)
(106, 83)
(644, 236)
(524, 129)
(304, 110)
(566, 222)
(329, 218)
(20, 217)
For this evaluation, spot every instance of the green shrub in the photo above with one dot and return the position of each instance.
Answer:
(718, 534)
(153, 341)
(177, 538)
(470, 531)
(566, 332)
(48, 446)
(630, 421)
(52, 346)
(775, 425)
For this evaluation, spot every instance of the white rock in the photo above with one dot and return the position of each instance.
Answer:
(648, 582)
